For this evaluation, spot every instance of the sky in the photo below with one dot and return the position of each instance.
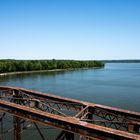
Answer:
(70, 29)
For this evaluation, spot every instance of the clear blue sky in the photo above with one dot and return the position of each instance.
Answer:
(70, 29)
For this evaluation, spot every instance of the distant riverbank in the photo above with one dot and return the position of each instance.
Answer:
(121, 61)
(38, 71)
(26, 72)
(9, 67)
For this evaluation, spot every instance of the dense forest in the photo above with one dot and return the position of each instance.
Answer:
(33, 65)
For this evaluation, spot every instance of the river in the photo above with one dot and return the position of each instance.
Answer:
(117, 85)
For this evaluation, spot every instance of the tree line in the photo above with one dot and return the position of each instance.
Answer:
(33, 65)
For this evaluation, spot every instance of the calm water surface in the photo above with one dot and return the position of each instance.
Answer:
(115, 85)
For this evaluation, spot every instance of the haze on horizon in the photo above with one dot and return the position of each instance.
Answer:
(70, 29)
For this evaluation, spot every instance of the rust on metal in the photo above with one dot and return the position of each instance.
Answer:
(89, 120)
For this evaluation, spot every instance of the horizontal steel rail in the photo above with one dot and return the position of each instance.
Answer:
(87, 119)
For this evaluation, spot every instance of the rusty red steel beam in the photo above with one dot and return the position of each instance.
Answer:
(46, 96)
(68, 100)
(41, 95)
(133, 116)
(79, 127)
(83, 111)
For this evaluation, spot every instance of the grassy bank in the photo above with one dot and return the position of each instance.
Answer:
(26, 66)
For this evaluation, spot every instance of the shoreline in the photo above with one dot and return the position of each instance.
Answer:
(38, 71)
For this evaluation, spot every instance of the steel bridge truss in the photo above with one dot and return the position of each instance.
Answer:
(88, 120)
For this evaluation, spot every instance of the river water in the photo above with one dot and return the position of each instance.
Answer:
(116, 85)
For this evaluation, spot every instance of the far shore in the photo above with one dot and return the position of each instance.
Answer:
(35, 71)
(38, 71)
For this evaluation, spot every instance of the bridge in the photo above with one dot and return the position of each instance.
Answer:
(88, 121)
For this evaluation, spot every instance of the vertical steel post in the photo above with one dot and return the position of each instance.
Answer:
(17, 128)
(1, 130)
(1, 120)
(16, 120)
(90, 114)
